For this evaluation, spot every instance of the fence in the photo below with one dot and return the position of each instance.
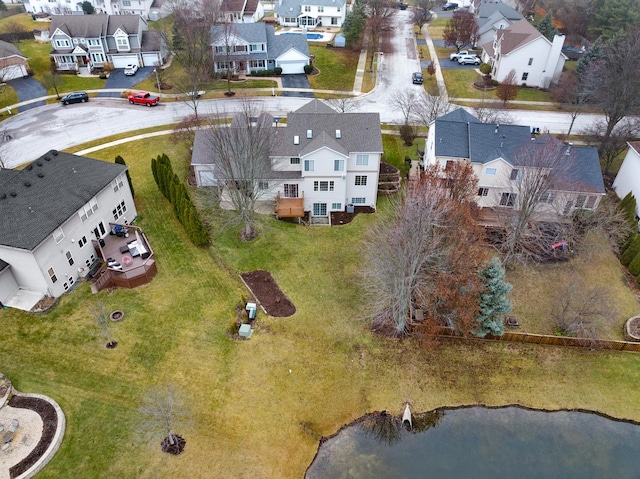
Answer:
(586, 343)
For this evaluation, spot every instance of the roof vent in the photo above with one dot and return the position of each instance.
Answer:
(46, 158)
(3, 196)
(338, 134)
(13, 194)
(40, 175)
(30, 167)
(39, 163)
(27, 184)
(296, 140)
(54, 152)
(309, 134)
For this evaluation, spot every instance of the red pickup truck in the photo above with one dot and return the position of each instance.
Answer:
(144, 98)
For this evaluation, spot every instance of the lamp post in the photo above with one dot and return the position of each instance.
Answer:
(155, 70)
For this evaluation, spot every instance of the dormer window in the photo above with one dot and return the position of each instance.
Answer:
(64, 43)
(122, 41)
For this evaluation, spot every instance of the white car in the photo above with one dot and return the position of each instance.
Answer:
(131, 69)
(469, 60)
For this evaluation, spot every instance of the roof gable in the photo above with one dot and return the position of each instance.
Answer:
(517, 35)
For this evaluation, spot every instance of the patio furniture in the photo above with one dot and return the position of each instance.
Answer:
(512, 321)
(27, 440)
(124, 249)
(7, 437)
(5, 447)
(14, 426)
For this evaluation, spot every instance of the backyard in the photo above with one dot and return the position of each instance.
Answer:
(260, 406)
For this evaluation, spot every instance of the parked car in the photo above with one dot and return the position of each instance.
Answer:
(131, 69)
(402, 5)
(417, 78)
(469, 60)
(143, 98)
(75, 97)
(450, 6)
(461, 53)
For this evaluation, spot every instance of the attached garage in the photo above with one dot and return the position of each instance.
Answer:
(292, 61)
(12, 72)
(121, 61)
(151, 59)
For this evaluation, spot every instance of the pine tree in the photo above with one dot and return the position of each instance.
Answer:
(120, 161)
(631, 252)
(494, 303)
(634, 266)
(547, 28)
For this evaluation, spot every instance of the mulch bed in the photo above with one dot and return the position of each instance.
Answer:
(268, 293)
(176, 448)
(342, 217)
(50, 422)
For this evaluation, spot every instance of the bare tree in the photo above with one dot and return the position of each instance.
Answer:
(405, 101)
(379, 13)
(488, 113)
(227, 51)
(578, 309)
(610, 147)
(241, 154)
(163, 411)
(15, 30)
(570, 91)
(100, 314)
(461, 30)
(421, 13)
(344, 104)
(429, 107)
(508, 89)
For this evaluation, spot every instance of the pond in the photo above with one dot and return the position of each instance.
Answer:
(482, 442)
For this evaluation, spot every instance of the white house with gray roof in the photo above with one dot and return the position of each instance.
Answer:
(51, 212)
(84, 42)
(245, 47)
(322, 162)
(145, 8)
(310, 13)
(493, 16)
(494, 151)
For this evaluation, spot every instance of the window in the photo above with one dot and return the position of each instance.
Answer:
(591, 202)
(82, 242)
(97, 57)
(336, 206)
(119, 210)
(530, 61)
(308, 165)
(490, 171)
(117, 183)
(307, 8)
(290, 191)
(361, 180)
(338, 165)
(240, 48)
(483, 191)
(88, 210)
(126, 3)
(515, 174)
(362, 160)
(358, 201)
(221, 49)
(294, 161)
(52, 275)
(69, 258)
(90, 261)
(263, 185)
(122, 42)
(580, 201)
(320, 9)
(546, 198)
(75, 41)
(58, 235)
(319, 209)
(323, 186)
(94, 42)
(507, 199)
(525, 75)
(256, 64)
(62, 44)
(256, 47)
(334, 20)
(223, 65)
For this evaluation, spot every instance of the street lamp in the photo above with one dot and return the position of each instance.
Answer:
(155, 70)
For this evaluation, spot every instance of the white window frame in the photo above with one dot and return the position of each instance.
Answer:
(58, 235)
(309, 165)
(490, 171)
(62, 43)
(338, 165)
(336, 206)
(361, 180)
(483, 191)
(358, 200)
(362, 160)
(119, 210)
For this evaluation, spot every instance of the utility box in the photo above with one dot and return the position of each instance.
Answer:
(245, 331)
(252, 310)
(351, 208)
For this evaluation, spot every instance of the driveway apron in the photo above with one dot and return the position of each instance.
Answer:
(27, 89)
(118, 80)
(296, 81)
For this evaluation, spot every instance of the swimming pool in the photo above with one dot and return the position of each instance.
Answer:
(314, 37)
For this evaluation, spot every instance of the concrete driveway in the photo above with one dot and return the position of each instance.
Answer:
(27, 89)
(117, 79)
(296, 81)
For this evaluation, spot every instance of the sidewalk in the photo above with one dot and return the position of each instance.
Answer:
(442, 87)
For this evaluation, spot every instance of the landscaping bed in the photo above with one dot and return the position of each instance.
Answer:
(268, 293)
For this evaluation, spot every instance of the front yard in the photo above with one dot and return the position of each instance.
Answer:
(297, 378)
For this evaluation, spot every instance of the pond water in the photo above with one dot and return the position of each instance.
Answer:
(479, 443)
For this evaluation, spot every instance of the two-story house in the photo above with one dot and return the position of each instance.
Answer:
(241, 11)
(497, 153)
(84, 42)
(493, 16)
(520, 47)
(310, 13)
(53, 215)
(323, 161)
(245, 47)
(628, 177)
(143, 8)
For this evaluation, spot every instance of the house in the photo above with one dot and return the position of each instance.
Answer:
(493, 16)
(241, 11)
(323, 161)
(310, 13)
(12, 63)
(55, 215)
(245, 47)
(628, 178)
(85, 42)
(109, 7)
(520, 47)
(496, 153)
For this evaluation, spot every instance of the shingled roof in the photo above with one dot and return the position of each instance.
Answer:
(41, 197)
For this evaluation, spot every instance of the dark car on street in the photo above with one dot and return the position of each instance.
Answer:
(75, 97)
(417, 78)
(450, 6)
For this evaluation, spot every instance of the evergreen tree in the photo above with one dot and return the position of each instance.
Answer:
(354, 22)
(3, 6)
(494, 303)
(634, 266)
(120, 161)
(547, 28)
(177, 38)
(593, 53)
(631, 252)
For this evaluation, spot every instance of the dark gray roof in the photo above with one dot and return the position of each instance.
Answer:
(200, 153)
(461, 135)
(279, 44)
(80, 26)
(360, 132)
(152, 41)
(486, 9)
(41, 197)
(129, 23)
(8, 50)
(249, 32)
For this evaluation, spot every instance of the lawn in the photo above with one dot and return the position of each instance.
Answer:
(261, 406)
(436, 28)
(337, 68)
(395, 151)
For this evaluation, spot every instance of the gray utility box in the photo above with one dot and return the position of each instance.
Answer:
(351, 208)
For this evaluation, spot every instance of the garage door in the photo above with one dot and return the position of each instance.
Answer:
(12, 72)
(292, 67)
(150, 59)
(121, 61)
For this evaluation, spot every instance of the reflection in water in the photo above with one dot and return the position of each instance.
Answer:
(482, 443)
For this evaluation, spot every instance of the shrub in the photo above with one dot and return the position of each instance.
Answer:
(277, 71)
(485, 68)
(408, 133)
(634, 266)
(631, 251)
(308, 69)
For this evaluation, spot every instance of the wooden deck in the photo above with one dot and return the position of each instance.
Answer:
(289, 207)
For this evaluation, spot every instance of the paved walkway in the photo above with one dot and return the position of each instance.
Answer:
(442, 87)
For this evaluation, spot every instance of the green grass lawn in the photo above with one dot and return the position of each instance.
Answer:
(395, 151)
(337, 68)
